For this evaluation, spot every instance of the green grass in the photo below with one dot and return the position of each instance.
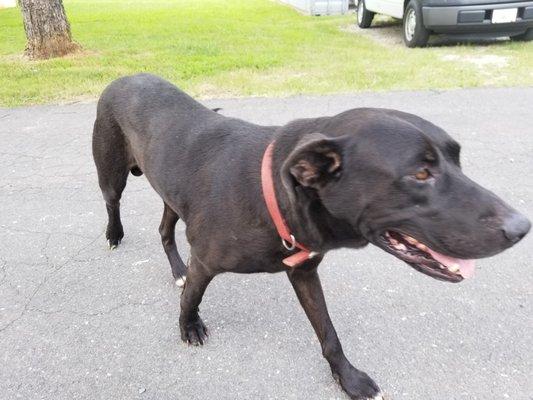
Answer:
(220, 48)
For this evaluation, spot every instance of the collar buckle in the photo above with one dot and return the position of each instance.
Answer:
(289, 246)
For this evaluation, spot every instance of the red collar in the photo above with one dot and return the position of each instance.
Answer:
(287, 239)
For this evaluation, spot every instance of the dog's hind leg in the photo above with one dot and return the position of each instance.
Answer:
(193, 330)
(167, 231)
(306, 284)
(112, 161)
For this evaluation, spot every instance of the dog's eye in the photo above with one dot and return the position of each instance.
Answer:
(422, 175)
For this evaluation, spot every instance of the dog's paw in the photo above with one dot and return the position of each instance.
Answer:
(113, 244)
(194, 332)
(114, 234)
(357, 384)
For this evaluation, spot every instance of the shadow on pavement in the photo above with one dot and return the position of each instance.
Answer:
(388, 31)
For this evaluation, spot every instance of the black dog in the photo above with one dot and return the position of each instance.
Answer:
(365, 175)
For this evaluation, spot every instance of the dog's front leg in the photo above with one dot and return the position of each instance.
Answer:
(192, 328)
(307, 286)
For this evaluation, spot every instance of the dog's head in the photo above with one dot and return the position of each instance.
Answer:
(397, 180)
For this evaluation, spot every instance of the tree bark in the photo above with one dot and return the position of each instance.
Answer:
(47, 29)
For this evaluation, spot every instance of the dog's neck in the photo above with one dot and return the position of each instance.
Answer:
(316, 227)
(308, 219)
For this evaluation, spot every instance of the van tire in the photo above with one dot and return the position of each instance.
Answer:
(415, 33)
(364, 17)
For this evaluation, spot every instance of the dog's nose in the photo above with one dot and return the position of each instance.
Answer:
(515, 227)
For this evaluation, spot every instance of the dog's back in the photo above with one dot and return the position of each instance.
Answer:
(146, 111)
(145, 125)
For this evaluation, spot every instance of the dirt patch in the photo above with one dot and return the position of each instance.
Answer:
(384, 30)
(490, 66)
(480, 61)
(22, 58)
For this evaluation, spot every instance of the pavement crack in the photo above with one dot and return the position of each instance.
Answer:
(24, 310)
(20, 155)
(3, 273)
(26, 307)
(44, 249)
(99, 313)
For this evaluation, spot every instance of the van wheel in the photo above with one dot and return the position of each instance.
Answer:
(364, 17)
(524, 37)
(415, 33)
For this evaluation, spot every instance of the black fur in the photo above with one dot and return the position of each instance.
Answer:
(341, 181)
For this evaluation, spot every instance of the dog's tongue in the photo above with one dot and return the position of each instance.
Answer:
(466, 267)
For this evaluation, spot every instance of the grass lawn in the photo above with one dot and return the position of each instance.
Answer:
(221, 48)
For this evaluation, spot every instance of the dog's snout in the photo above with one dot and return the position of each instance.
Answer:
(515, 227)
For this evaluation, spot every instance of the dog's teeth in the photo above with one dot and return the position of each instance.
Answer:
(411, 240)
(454, 267)
(421, 246)
(387, 234)
(400, 246)
(394, 241)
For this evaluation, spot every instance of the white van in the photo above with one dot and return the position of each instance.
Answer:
(424, 17)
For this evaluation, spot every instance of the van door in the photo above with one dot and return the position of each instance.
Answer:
(392, 8)
(375, 6)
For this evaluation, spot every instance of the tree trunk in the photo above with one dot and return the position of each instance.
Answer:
(47, 29)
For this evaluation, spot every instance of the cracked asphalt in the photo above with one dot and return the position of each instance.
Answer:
(78, 321)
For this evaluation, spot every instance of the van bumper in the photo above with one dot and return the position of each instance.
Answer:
(461, 16)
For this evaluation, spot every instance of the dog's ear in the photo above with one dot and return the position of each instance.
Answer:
(315, 161)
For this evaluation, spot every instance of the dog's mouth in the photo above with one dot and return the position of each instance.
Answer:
(426, 260)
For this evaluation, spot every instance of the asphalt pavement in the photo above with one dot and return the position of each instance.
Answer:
(78, 321)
